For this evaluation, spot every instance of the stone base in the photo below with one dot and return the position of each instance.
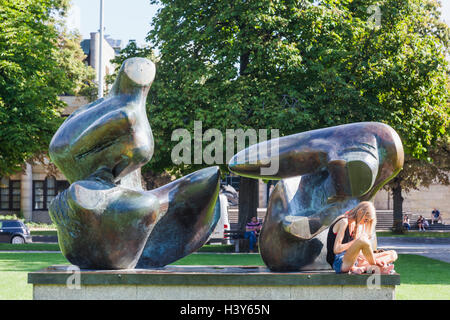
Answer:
(207, 283)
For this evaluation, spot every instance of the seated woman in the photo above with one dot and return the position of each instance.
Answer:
(349, 246)
(406, 223)
(421, 223)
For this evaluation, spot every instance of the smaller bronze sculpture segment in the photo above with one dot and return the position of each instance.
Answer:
(339, 167)
(112, 132)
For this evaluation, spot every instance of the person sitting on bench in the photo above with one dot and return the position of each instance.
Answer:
(251, 231)
(421, 223)
(436, 216)
(406, 223)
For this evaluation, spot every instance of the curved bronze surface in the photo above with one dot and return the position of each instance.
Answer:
(339, 167)
(104, 219)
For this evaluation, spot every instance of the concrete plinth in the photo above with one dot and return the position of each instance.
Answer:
(207, 283)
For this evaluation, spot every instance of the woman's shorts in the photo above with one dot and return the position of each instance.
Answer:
(337, 264)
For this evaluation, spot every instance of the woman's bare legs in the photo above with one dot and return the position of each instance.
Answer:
(387, 257)
(350, 257)
(361, 252)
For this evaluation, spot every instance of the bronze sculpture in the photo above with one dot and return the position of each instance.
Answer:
(104, 219)
(323, 173)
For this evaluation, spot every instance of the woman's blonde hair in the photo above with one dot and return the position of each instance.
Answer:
(364, 209)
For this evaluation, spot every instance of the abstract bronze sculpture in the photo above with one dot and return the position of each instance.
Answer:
(323, 173)
(104, 219)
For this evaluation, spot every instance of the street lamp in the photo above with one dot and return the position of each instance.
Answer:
(100, 60)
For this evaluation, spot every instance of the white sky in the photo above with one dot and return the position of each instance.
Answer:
(125, 20)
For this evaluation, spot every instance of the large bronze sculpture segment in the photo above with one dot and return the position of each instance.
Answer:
(105, 220)
(336, 168)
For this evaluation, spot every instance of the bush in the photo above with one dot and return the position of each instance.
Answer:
(29, 224)
(11, 217)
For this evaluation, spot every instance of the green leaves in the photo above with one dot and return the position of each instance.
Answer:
(298, 66)
(37, 65)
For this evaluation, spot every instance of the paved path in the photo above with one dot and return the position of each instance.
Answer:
(435, 248)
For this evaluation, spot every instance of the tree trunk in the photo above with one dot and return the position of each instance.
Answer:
(398, 207)
(248, 188)
(248, 203)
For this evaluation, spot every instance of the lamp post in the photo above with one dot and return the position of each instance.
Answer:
(100, 60)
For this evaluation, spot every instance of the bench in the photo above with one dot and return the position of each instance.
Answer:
(238, 236)
(431, 227)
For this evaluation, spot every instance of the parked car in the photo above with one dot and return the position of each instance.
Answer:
(218, 235)
(14, 231)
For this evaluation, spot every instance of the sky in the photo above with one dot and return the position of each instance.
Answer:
(126, 20)
(123, 20)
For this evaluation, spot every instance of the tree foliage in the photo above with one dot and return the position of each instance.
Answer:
(298, 66)
(38, 63)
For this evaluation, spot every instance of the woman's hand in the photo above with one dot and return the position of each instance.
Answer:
(362, 236)
(380, 263)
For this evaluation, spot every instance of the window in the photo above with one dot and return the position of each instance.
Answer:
(12, 224)
(38, 195)
(9, 194)
(51, 190)
(45, 191)
(233, 181)
(4, 194)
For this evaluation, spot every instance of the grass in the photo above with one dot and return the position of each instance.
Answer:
(421, 278)
(29, 247)
(14, 268)
(55, 247)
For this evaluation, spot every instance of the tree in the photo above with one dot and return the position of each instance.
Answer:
(418, 173)
(298, 66)
(38, 63)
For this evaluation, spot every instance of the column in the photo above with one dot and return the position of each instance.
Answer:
(26, 193)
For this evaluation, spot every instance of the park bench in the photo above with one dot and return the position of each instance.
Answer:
(431, 227)
(241, 244)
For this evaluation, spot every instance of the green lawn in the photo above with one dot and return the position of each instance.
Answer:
(55, 247)
(421, 278)
(14, 268)
(29, 247)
